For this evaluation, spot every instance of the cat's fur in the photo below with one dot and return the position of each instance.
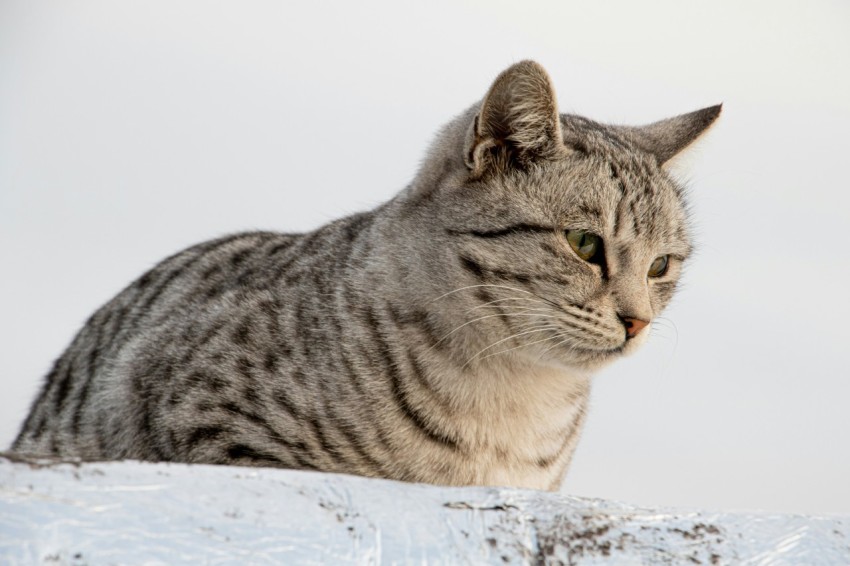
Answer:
(448, 336)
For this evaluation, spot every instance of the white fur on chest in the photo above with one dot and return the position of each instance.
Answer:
(521, 421)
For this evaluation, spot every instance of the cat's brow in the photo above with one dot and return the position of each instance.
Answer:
(501, 232)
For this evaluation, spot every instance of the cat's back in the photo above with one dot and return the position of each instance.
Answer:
(203, 314)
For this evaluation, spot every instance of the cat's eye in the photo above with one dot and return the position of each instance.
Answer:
(585, 244)
(659, 266)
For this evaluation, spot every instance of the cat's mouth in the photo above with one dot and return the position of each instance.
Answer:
(604, 353)
(597, 357)
(582, 356)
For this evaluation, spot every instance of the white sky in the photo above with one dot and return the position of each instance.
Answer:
(131, 130)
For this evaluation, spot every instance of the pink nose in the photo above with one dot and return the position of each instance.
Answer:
(633, 326)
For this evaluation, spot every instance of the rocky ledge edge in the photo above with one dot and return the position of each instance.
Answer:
(142, 513)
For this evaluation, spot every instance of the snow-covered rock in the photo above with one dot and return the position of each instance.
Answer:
(141, 513)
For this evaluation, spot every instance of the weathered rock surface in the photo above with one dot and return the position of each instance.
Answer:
(140, 513)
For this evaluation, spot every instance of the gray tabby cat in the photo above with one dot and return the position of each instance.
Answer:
(449, 336)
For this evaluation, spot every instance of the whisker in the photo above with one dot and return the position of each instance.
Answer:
(516, 335)
(517, 347)
(488, 316)
(575, 324)
(535, 307)
(672, 355)
(555, 345)
(507, 299)
(483, 285)
(515, 309)
(544, 299)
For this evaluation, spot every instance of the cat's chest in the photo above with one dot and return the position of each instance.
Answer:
(524, 435)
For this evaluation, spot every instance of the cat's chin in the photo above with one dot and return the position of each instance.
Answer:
(586, 359)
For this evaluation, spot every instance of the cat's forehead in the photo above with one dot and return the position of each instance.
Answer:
(621, 194)
(591, 137)
(648, 206)
(608, 151)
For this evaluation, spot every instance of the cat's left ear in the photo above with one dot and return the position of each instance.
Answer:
(518, 122)
(667, 138)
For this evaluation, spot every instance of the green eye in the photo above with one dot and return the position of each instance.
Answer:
(659, 266)
(584, 244)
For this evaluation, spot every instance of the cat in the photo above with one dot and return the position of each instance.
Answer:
(449, 336)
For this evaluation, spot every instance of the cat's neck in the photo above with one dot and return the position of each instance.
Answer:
(517, 384)
(522, 420)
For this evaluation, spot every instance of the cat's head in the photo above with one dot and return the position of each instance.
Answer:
(550, 237)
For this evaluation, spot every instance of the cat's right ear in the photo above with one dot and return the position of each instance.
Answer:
(517, 124)
(667, 138)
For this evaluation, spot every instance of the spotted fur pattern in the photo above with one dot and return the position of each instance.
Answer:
(449, 336)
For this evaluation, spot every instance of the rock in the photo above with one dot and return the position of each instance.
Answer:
(134, 512)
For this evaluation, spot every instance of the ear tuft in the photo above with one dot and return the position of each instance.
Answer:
(517, 123)
(666, 138)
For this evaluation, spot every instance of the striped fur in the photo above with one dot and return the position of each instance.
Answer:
(448, 336)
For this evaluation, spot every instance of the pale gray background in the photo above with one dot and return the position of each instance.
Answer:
(129, 130)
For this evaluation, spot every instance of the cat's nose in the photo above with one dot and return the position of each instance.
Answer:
(633, 325)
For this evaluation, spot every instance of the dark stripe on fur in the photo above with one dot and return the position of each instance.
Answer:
(243, 451)
(546, 246)
(63, 386)
(82, 395)
(414, 416)
(502, 232)
(36, 422)
(418, 321)
(635, 226)
(328, 447)
(482, 272)
(546, 461)
(205, 434)
(472, 267)
(665, 290)
(93, 362)
(280, 247)
(200, 252)
(615, 175)
(353, 437)
(282, 399)
(588, 211)
(485, 297)
(296, 449)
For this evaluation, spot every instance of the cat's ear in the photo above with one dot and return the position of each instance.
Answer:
(517, 122)
(666, 138)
